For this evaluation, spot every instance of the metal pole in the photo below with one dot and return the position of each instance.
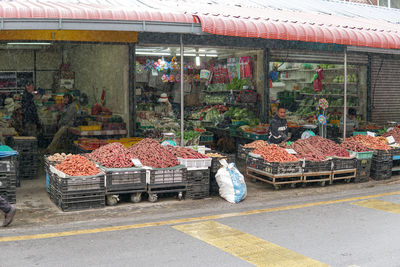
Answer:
(132, 89)
(265, 102)
(182, 95)
(345, 94)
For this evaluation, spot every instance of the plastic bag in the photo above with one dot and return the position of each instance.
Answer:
(232, 186)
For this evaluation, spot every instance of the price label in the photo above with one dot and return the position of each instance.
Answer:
(290, 151)
(137, 163)
(390, 140)
(371, 134)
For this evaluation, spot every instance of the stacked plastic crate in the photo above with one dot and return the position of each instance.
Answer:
(76, 193)
(382, 164)
(8, 179)
(198, 177)
(28, 160)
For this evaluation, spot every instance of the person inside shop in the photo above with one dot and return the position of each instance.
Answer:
(16, 119)
(278, 129)
(8, 210)
(165, 104)
(30, 118)
(351, 122)
(67, 120)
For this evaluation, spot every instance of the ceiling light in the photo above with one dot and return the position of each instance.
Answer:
(152, 53)
(28, 43)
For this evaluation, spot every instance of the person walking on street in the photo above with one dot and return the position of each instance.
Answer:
(30, 118)
(9, 211)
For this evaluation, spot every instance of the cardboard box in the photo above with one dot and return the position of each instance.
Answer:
(192, 100)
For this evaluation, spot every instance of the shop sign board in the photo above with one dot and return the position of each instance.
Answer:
(70, 35)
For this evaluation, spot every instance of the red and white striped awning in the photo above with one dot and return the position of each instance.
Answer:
(216, 19)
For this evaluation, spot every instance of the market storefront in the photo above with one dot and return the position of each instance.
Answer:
(208, 81)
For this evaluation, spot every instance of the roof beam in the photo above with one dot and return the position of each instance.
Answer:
(100, 25)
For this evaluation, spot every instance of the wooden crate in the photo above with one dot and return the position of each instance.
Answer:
(345, 175)
(317, 177)
(274, 179)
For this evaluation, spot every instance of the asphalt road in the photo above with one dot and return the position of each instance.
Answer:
(356, 229)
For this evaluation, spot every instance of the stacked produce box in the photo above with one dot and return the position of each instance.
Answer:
(77, 184)
(198, 172)
(120, 174)
(382, 159)
(8, 179)
(27, 148)
(363, 155)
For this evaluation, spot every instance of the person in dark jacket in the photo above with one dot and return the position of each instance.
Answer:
(278, 129)
(30, 118)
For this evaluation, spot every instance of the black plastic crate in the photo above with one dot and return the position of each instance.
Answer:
(132, 181)
(77, 183)
(168, 176)
(317, 166)
(214, 188)
(381, 175)
(344, 164)
(382, 155)
(381, 165)
(4, 180)
(274, 167)
(198, 176)
(396, 151)
(243, 152)
(362, 176)
(215, 165)
(24, 143)
(198, 195)
(7, 165)
(9, 196)
(198, 191)
(28, 157)
(364, 163)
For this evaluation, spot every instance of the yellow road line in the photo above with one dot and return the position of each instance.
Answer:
(186, 220)
(245, 246)
(379, 205)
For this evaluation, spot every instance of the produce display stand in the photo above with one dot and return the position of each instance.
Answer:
(277, 180)
(166, 180)
(71, 193)
(317, 172)
(321, 177)
(118, 181)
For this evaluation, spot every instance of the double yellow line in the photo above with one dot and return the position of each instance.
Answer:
(187, 220)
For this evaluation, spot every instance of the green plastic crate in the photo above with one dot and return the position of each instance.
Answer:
(238, 123)
(206, 137)
(259, 136)
(362, 155)
(247, 135)
(359, 133)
